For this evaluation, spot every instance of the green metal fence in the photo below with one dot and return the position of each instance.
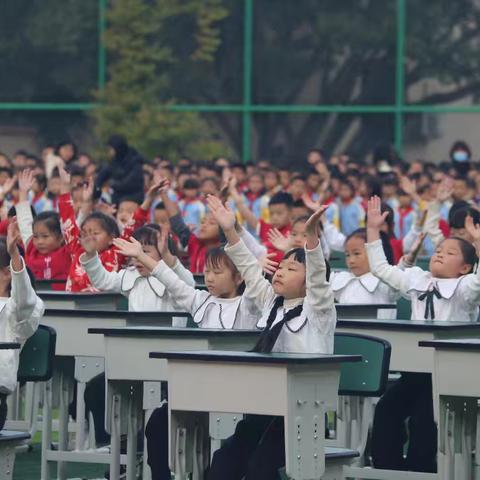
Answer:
(248, 107)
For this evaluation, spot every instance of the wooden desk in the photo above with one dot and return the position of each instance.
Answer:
(299, 387)
(81, 301)
(128, 365)
(456, 394)
(404, 336)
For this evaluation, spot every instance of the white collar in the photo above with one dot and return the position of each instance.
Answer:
(368, 281)
(446, 286)
(226, 309)
(131, 276)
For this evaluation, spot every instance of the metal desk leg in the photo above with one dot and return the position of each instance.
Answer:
(476, 465)
(132, 429)
(115, 437)
(46, 429)
(63, 424)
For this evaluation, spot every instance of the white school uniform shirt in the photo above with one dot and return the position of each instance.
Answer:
(19, 319)
(365, 289)
(312, 331)
(458, 297)
(143, 293)
(207, 310)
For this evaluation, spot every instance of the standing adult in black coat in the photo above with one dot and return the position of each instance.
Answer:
(125, 172)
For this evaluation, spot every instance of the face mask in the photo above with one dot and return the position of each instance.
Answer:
(460, 156)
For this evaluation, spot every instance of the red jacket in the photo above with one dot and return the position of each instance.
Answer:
(111, 259)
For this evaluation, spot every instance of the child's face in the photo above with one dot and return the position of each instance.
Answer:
(209, 230)
(297, 189)
(447, 261)
(389, 190)
(345, 192)
(35, 187)
(284, 178)
(271, 180)
(279, 215)
(152, 252)
(54, 185)
(93, 228)
(313, 181)
(356, 256)
(160, 217)
(221, 281)
(255, 184)
(209, 188)
(240, 175)
(66, 152)
(289, 279)
(125, 212)
(4, 176)
(44, 240)
(404, 201)
(460, 190)
(298, 235)
(190, 193)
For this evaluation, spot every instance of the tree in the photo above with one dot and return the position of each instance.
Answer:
(136, 100)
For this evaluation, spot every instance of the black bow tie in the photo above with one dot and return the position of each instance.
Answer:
(428, 296)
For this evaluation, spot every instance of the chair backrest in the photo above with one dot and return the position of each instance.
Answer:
(37, 355)
(404, 309)
(366, 378)
(337, 260)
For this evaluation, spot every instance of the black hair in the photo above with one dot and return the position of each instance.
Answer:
(348, 183)
(106, 222)
(159, 206)
(281, 198)
(147, 235)
(51, 220)
(386, 245)
(299, 204)
(42, 181)
(373, 185)
(168, 167)
(217, 258)
(302, 178)
(469, 252)
(320, 151)
(76, 170)
(460, 145)
(456, 219)
(66, 142)
(24, 153)
(191, 184)
(214, 180)
(298, 255)
(303, 218)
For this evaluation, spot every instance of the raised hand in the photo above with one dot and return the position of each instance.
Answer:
(312, 226)
(129, 248)
(87, 192)
(268, 265)
(408, 186)
(162, 245)
(278, 240)
(106, 208)
(375, 217)
(25, 183)
(222, 214)
(64, 180)
(13, 237)
(311, 204)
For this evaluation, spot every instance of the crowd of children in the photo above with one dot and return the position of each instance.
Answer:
(262, 236)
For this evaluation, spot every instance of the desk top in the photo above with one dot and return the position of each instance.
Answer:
(168, 331)
(262, 358)
(365, 306)
(60, 295)
(9, 346)
(414, 325)
(453, 344)
(87, 313)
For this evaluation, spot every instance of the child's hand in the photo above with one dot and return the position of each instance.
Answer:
(268, 265)
(408, 186)
(7, 187)
(472, 229)
(13, 237)
(162, 245)
(311, 204)
(25, 183)
(106, 208)
(89, 245)
(132, 248)
(312, 226)
(87, 192)
(375, 217)
(222, 214)
(278, 240)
